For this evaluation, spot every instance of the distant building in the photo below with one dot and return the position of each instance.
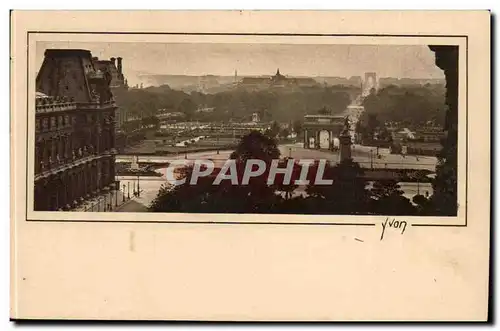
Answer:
(387, 81)
(353, 81)
(74, 131)
(115, 67)
(429, 134)
(370, 83)
(276, 81)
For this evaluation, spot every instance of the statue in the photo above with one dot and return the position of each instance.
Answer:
(347, 126)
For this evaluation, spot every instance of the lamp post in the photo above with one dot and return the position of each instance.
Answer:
(217, 144)
(128, 190)
(123, 193)
(138, 188)
(371, 158)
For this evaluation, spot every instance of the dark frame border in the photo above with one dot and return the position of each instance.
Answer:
(263, 34)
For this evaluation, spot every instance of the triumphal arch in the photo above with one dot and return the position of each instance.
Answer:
(323, 131)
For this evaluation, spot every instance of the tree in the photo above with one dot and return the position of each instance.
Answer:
(384, 134)
(188, 107)
(423, 205)
(346, 195)
(408, 105)
(297, 126)
(274, 130)
(256, 145)
(279, 183)
(324, 111)
(204, 197)
(284, 133)
(373, 124)
(388, 199)
(256, 197)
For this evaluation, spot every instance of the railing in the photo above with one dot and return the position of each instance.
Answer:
(71, 105)
(54, 166)
(55, 107)
(96, 104)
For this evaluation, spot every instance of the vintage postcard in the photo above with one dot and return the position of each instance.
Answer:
(250, 166)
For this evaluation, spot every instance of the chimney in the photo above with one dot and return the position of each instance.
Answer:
(112, 60)
(119, 65)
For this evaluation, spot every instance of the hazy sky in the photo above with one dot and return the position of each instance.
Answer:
(261, 59)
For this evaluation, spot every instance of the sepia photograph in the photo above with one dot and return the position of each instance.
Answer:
(250, 166)
(246, 127)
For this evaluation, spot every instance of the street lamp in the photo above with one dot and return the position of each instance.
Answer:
(217, 144)
(138, 188)
(128, 190)
(123, 193)
(371, 158)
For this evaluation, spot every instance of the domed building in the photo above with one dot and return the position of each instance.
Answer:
(277, 81)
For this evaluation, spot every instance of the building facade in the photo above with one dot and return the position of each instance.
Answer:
(322, 131)
(74, 131)
(118, 83)
(278, 81)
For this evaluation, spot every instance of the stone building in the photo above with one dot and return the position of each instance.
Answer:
(118, 82)
(75, 131)
(322, 131)
(278, 81)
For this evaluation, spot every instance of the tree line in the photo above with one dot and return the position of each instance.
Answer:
(411, 106)
(237, 104)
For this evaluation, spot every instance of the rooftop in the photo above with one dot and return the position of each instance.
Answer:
(66, 52)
